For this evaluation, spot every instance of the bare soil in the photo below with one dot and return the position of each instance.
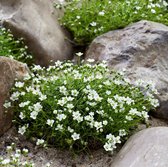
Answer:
(58, 158)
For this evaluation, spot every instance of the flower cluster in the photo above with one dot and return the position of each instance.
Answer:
(13, 48)
(15, 157)
(68, 105)
(87, 19)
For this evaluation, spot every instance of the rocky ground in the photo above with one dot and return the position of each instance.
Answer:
(58, 158)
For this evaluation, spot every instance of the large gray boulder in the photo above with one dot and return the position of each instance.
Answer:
(147, 148)
(141, 48)
(36, 21)
(9, 71)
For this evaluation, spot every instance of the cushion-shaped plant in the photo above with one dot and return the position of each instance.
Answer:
(75, 106)
(87, 19)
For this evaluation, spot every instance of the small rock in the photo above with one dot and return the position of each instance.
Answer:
(9, 70)
(147, 148)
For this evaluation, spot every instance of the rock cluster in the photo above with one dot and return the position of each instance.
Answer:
(140, 48)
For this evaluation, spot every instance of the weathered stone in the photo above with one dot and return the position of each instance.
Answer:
(147, 148)
(36, 21)
(9, 70)
(141, 48)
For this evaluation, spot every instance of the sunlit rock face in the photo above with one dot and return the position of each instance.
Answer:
(36, 21)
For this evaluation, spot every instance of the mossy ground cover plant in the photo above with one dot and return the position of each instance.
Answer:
(14, 48)
(87, 19)
(74, 106)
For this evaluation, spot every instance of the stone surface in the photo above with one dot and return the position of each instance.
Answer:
(9, 70)
(141, 48)
(147, 148)
(36, 21)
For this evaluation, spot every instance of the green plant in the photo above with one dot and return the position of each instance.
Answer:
(15, 157)
(74, 106)
(13, 48)
(86, 19)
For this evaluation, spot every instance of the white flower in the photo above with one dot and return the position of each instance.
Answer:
(7, 104)
(55, 112)
(63, 90)
(89, 118)
(33, 114)
(118, 82)
(17, 155)
(19, 84)
(105, 122)
(23, 104)
(98, 125)
(47, 164)
(59, 127)
(69, 98)
(21, 115)
(25, 150)
(165, 3)
(154, 102)
(101, 112)
(93, 95)
(37, 68)
(79, 54)
(99, 76)
(129, 118)
(77, 116)
(78, 17)
(61, 117)
(58, 63)
(117, 139)
(70, 106)
(128, 100)
(77, 76)
(22, 129)
(75, 136)
(9, 148)
(109, 146)
(110, 136)
(15, 96)
(108, 92)
(62, 102)
(50, 122)
(138, 7)
(40, 142)
(145, 115)
(27, 77)
(122, 132)
(107, 83)
(5, 161)
(158, 5)
(134, 111)
(74, 92)
(37, 107)
(42, 97)
(70, 129)
(93, 24)
(101, 13)
(112, 103)
(153, 11)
